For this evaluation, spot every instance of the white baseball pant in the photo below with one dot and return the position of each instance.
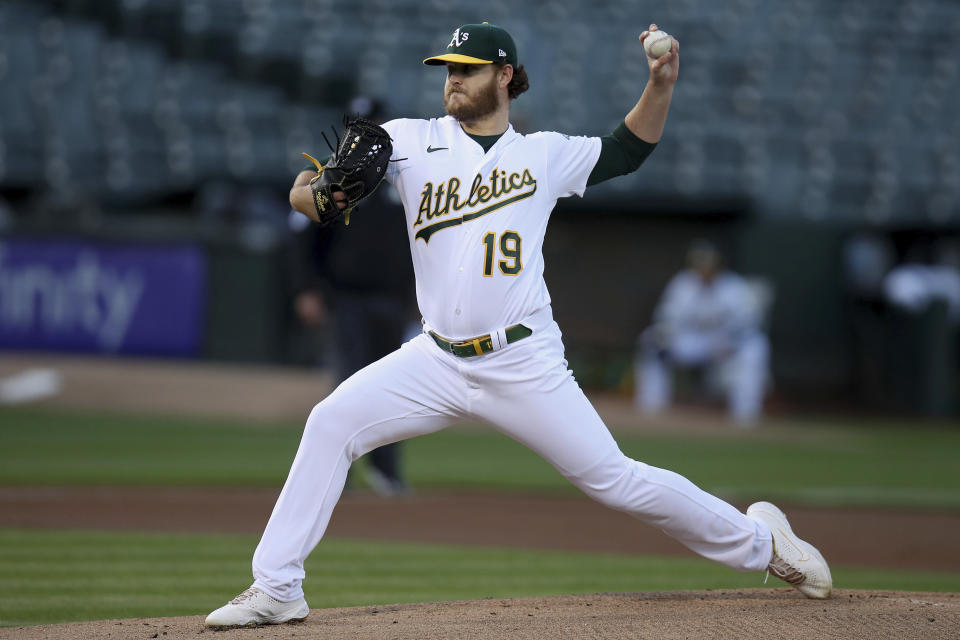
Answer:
(526, 392)
(747, 365)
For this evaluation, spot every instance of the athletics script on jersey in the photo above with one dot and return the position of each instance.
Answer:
(444, 200)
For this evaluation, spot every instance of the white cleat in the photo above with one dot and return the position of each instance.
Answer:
(796, 562)
(254, 607)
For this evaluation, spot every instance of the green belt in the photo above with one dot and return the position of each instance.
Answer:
(481, 344)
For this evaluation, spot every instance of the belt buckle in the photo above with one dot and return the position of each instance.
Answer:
(475, 343)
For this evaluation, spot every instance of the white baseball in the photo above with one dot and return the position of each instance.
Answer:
(657, 43)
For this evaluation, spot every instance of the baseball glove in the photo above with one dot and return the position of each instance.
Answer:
(358, 165)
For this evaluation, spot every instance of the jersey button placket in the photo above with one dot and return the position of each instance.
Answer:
(462, 294)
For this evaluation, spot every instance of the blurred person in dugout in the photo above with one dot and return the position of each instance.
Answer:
(356, 283)
(926, 276)
(711, 320)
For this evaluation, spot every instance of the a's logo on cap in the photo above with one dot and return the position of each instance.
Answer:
(458, 38)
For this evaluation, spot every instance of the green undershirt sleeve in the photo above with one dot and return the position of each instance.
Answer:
(621, 153)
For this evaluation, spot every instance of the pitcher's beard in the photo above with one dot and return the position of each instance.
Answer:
(471, 110)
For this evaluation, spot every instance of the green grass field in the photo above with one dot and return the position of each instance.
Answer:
(55, 576)
(820, 463)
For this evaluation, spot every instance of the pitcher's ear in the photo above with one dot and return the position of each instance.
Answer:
(506, 75)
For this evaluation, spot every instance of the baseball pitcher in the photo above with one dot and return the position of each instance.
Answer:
(477, 196)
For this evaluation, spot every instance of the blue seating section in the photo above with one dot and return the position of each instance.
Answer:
(817, 109)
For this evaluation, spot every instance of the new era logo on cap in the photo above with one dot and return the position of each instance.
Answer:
(478, 44)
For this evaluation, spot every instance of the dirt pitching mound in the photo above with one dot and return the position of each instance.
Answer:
(751, 613)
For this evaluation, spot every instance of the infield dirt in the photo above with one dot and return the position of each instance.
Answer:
(752, 613)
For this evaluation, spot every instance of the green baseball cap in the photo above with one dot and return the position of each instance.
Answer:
(478, 44)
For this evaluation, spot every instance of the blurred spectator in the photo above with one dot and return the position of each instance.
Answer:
(357, 280)
(708, 319)
(921, 320)
(904, 326)
(914, 285)
(867, 259)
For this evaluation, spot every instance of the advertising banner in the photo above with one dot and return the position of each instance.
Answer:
(72, 295)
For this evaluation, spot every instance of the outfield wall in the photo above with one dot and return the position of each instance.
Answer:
(223, 298)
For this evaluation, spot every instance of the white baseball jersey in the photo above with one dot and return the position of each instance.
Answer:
(724, 306)
(476, 221)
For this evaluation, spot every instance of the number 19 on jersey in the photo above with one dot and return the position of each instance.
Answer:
(511, 264)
